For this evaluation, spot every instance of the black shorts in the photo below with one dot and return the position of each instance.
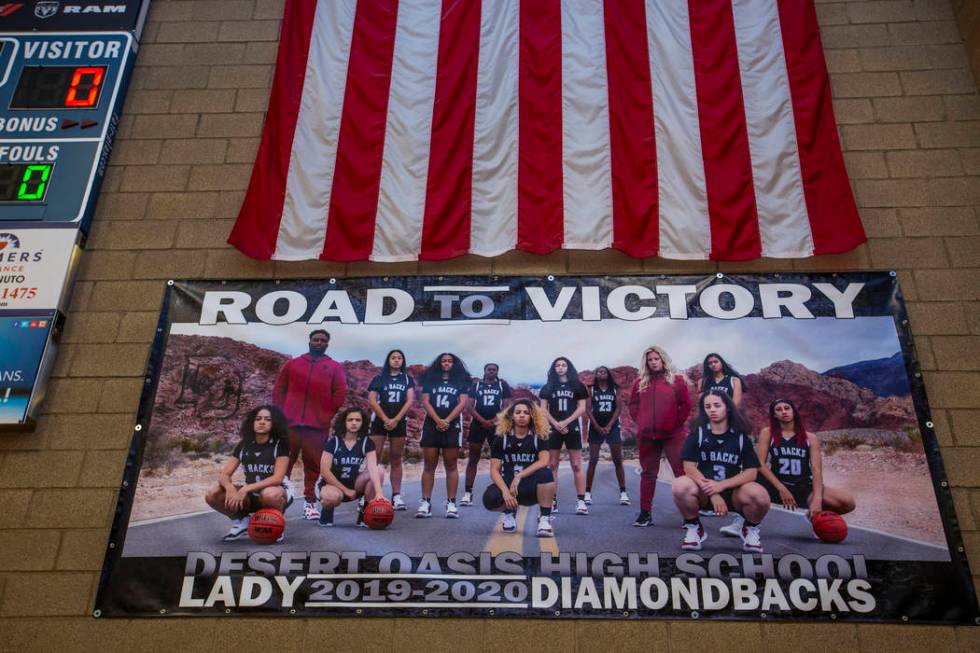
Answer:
(253, 503)
(451, 438)
(615, 435)
(480, 434)
(527, 490)
(348, 483)
(726, 495)
(801, 493)
(378, 428)
(571, 440)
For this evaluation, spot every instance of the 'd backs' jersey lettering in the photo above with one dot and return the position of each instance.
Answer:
(392, 391)
(719, 457)
(258, 461)
(347, 463)
(789, 462)
(725, 385)
(603, 404)
(489, 397)
(563, 398)
(444, 395)
(515, 454)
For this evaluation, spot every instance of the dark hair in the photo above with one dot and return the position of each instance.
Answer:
(497, 365)
(708, 376)
(340, 421)
(280, 425)
(386, 368)
(776, 427)
(736, 422)
(323, 331)
(553, 379)
(612, 381)
(458, 374)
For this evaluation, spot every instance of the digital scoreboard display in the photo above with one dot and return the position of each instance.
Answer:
(58, 87)
(60, 99)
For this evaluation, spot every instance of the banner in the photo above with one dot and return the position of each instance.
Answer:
(700, 421)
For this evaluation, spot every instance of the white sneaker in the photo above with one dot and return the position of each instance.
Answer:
(451, 511)
(238, 528)
(694, 536)
(544, 527)
(424, 510)
(398, 503)
(311, 511)
(751, 539)
(581, 508)
(467, 499)
(624, 498)
(735, 528)
(588, 498)
(706, 512)
(510, 522)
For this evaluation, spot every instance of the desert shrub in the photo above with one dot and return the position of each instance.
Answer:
(843, 442)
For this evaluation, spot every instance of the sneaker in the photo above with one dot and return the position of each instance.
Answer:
(238, 528)
(694, 535)
(398, 503)
(588, 498)
(467, 499)
(706, 512)
(359, 521)
(624, 498)
(326, 517)
(451, 511)
(510, 522)
(544, 527)
(581, 508)
(311, 511)
(282, 536)
(735, 528)
(643, 519)
(751, 539)
(424, 509)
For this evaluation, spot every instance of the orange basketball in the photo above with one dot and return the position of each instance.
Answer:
(266, 525)
(829, 526)
(378, 514)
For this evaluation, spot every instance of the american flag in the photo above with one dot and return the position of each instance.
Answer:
(428, 129)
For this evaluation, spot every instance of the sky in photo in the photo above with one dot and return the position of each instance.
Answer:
(525, 349)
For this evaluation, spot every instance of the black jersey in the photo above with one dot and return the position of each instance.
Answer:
(392, 391)
(347, 463)
(444, 395)
(725, 385)
(603, 404)
(790, 462)
(719, 457)
(489, 397)
(563, 398)
(258, 461)
(515, 454)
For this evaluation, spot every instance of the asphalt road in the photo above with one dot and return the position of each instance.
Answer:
(607, 528)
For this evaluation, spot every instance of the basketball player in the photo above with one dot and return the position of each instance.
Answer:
(604, 409)
(349, 467)
(793, 473)
(519, 471)
(716, 374)
(445, 388)
(563, 399)
(390, 395)
(487, 398)
(263, 454)
(720, 467)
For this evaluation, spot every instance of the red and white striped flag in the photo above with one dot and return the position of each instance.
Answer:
(427, 129)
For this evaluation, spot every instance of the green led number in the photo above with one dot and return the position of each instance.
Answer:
(34, 183)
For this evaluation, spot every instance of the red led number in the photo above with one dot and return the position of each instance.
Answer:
(84, 89)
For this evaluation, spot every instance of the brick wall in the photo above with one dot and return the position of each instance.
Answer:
(910, 119)
(968, 16)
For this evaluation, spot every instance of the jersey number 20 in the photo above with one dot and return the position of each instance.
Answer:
(790, 467)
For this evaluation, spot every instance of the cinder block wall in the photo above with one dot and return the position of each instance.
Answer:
(910, 120)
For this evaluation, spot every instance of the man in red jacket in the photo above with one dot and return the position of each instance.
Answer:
(309, 390)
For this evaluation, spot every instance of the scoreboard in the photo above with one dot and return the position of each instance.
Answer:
(60, 96)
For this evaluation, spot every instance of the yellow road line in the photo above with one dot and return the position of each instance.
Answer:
(500, 541)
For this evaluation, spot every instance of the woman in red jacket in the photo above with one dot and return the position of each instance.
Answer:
(660, 405)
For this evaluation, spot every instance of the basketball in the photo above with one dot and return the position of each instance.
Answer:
(378, 514)
(266, 525)
(829, 526)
